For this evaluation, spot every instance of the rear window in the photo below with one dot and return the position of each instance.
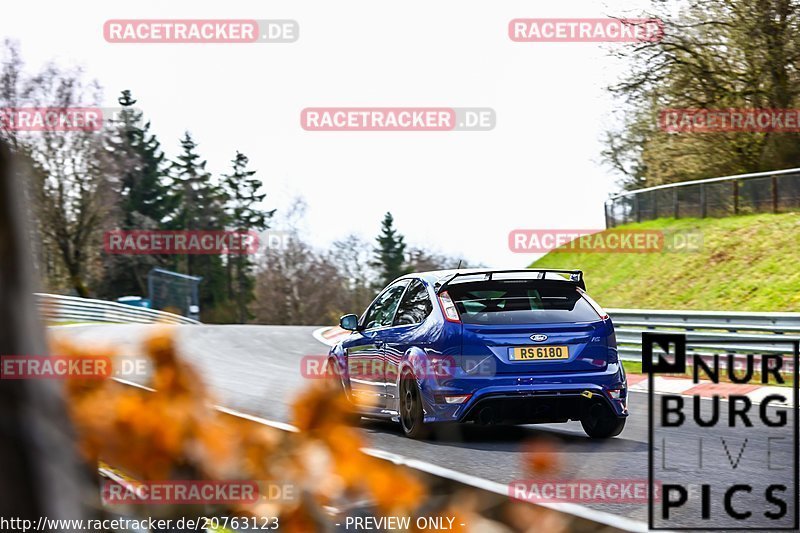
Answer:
(520, 302)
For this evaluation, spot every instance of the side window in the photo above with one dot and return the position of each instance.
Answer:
(382, 311)
(416, 305)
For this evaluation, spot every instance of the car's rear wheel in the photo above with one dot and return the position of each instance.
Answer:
(601, 422)
(410, 407)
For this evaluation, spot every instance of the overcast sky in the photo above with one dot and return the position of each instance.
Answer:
(459, 192)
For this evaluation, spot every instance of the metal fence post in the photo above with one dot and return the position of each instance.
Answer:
(702, 200)
(636, 214)
(735, 197)
(675, 201)
(655, 204)
(774, 194)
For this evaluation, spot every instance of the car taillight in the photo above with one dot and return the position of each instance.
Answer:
(615, 394)
(611, 343)
(599, 310)
(618, 395)
(611, 340)
(448, 308)
(451, 399)
(457, 399)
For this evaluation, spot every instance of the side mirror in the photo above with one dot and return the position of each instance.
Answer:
(349, 322)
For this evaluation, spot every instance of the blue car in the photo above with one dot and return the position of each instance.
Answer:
(483, 346)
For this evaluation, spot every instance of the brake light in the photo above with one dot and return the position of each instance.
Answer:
(615, 394)
(457, 399)
(611, 343)
(448, 308)
(596, 306)
(618, 395)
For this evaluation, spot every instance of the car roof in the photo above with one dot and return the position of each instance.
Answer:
(433, 276)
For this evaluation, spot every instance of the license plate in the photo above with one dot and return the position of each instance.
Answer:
(539, 353)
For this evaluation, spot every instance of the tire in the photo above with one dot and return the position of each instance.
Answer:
(333, 377)
(412, 418)
(602, 423)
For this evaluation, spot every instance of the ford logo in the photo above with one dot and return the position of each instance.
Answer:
(539, 338)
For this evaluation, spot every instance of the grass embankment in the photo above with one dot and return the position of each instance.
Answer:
(745, 263)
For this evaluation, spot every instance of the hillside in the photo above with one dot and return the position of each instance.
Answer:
(746, 263)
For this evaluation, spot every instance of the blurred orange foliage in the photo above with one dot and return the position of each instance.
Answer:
(175, 433)
(540, 457)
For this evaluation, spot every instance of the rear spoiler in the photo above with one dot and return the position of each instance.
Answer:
(575, 276)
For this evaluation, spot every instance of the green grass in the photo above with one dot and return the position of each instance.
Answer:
(632, 367)
(746, 263)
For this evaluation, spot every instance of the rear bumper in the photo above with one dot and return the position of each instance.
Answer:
(526, 399)
(532, 407)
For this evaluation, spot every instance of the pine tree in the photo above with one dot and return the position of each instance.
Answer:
(138, 162)
(143, 183)
(243, 196)
(390, 253)
(200, 202)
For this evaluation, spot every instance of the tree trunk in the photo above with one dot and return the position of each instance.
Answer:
(41, 474)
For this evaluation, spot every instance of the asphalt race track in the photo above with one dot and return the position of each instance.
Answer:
(256, 370)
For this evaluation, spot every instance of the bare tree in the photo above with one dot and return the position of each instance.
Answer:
(70, 187)
(714, 54)
(351, 256)
(297, 285)
(421, 260)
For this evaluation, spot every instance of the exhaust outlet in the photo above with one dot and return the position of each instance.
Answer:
(486, 416)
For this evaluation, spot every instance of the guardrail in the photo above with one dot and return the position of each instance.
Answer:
(57, 308)
(738, 329)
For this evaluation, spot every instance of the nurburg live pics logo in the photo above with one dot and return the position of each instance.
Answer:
(723, 465)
